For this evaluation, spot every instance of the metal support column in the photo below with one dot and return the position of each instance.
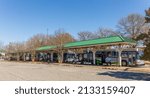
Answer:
(119, 56)
(94, 56)
(51, 56)
(24, 56)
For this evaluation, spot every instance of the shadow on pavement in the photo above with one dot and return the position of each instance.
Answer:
(127, 75)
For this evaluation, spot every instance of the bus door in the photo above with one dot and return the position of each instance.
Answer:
(88, 58)
(79, 57)
(132, 57)
(55, 57)
(98, 57)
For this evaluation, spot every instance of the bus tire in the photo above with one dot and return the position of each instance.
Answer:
(124, 63)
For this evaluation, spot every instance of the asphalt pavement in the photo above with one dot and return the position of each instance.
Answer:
(21, 71)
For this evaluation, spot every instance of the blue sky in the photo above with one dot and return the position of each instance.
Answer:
(20, 19)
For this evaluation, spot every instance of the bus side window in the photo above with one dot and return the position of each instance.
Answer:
(114, 54)
(109, 54)
(124, 54)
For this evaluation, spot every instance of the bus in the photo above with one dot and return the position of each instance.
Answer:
(130, 57)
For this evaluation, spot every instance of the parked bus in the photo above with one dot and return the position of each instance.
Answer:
(106, 57)
(129, 57)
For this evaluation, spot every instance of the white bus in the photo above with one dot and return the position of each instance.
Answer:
(110, 56)
(130, 57)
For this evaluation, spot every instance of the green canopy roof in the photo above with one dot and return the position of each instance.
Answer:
(98, 41)
(45, 48)
(105, 40)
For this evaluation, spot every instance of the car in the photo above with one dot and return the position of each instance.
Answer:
(140, 62)
(69, 60)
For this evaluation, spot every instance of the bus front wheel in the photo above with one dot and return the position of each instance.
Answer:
(124, 63)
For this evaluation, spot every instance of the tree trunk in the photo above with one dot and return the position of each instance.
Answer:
(60, 57)
(33, 56)
(18, 57)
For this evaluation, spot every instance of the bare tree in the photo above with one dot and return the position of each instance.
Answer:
(1, 45)
(35, 41)
(86, 35)
(60, 38)
(131, 25)
(101, 32)
(39, 40)
(49, 40)
(30, 45)
(105, 32)
(147, 17)
(1, 48)
(14, 47)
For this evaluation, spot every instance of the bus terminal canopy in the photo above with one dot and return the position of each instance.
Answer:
(105, 41)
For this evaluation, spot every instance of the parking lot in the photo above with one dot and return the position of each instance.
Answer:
(21, 71)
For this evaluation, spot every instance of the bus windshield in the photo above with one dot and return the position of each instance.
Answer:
(130, 54)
